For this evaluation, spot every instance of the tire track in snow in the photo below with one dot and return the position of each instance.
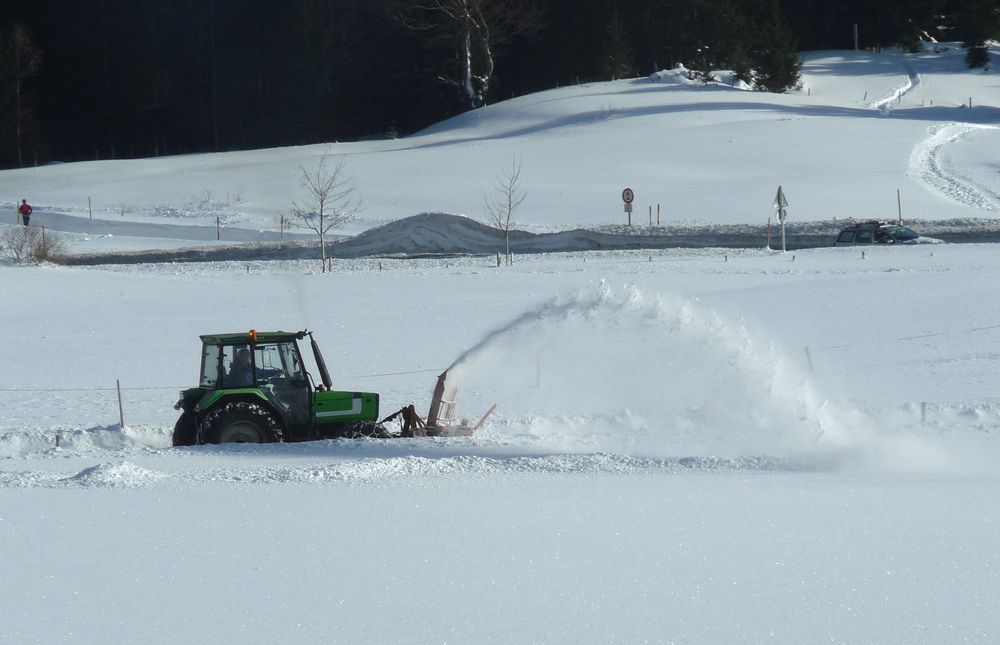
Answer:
(928, 163)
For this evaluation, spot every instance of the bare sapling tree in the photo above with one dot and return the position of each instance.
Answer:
(506, 197)
(330, 199)
(29, 244)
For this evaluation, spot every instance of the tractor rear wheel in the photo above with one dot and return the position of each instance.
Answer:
(240, 422)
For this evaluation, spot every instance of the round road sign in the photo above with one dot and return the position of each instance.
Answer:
(628, 196)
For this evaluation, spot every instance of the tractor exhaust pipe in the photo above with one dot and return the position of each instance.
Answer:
(324, 373)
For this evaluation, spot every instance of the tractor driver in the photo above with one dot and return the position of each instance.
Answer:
(241, 372)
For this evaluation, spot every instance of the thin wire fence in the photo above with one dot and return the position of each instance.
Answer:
(184, 387)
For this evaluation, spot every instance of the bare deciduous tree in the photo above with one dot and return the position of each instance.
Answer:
(506, 197)
(475, 28)
(330, 199)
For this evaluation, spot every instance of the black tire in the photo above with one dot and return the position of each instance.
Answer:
(186, 430)
(240, 422)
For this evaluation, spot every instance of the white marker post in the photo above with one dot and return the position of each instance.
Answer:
(780, 204)
(628, 197)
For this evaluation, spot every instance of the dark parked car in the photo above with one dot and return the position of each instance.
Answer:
(868, 233)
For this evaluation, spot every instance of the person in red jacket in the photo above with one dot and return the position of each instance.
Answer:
(24, 210)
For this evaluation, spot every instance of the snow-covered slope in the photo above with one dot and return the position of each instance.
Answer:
(862, 126)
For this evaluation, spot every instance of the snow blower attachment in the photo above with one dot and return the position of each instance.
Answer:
(254, 388)
(440, 421)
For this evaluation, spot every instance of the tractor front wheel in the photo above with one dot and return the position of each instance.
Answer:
(186, 430)
(240, 422)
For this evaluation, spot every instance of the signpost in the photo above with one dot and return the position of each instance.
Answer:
(780, 204)
(628, 197)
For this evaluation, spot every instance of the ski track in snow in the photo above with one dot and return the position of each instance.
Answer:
(884, 104)
(928, 163)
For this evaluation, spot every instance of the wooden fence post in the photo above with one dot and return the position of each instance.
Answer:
(121, 411)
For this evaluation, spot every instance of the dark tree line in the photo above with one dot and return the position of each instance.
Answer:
(99, 79)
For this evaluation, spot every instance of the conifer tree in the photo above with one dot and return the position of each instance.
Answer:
(976, 21)
(777, 58)
(732, 28)
(617, 61)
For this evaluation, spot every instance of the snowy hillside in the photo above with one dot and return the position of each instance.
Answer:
(862, 126)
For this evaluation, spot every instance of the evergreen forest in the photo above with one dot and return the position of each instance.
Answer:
(106, 79)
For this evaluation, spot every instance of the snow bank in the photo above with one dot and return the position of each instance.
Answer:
(62, 440)
(115, 475)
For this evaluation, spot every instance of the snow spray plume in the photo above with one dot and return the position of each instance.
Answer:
(628, 373)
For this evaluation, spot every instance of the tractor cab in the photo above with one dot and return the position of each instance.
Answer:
(270, 365)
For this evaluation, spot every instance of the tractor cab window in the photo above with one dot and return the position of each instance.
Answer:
(277, 359)
(209, 367)
(237, 366)
(225, 366)
(283, 381)
(266, 356)
(254, 365)
(290, 361)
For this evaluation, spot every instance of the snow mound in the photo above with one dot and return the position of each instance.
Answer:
(681, 75)
(443, 233)
(115, 475)
(59, 440)
(424, 233)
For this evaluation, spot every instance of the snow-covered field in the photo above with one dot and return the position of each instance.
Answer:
(712, 446)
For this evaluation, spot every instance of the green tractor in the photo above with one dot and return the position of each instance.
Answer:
(254, 388)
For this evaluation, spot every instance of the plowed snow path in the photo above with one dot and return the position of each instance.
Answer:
(125, 474)
(931, 162)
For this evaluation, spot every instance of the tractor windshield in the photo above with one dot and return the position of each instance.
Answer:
(290, 361)
(237, 366)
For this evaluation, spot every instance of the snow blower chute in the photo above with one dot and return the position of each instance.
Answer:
(440, 421)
